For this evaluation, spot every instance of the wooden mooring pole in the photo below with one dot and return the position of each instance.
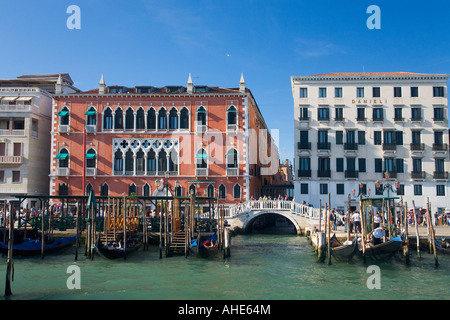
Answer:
(77, 244)
(406, 245)
(42, 230)
(348, 217)
(389, 218)
(192, 214)
(9, 261)
(144, 225)
(160, 228)
(166, 225)
(186, 230)
(432, 234)
(322, 240)
(363, 228)
(227, 244)
(87, 231)
(125, 209)
(416, 227)
(320, 215)
(321, 243)
(94, 228)
(327, 212)
(106, 220)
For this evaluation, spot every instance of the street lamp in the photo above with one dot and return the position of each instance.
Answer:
(388, 187)
(362, 192)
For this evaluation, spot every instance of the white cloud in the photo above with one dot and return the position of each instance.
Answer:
(316, 48)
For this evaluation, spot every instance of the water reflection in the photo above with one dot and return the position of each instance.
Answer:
(260, 267)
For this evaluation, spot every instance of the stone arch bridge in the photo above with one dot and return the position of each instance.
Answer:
(240, 217)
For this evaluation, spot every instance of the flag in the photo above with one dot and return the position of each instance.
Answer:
(91, 200)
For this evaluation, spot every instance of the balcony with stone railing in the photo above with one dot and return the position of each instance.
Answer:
(324, 173)
(417, 175)
(91, 172)
(440, 175)
(11, 160)
(232, 172)
(440, 147)
(16, 107)
(13, 132)
(62, 171)
(304, 145)
(201, 172)
(351, 174)
(304, 173)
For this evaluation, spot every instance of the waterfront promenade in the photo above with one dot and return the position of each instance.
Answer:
(341, 233)
(306, 219)
(440, 231)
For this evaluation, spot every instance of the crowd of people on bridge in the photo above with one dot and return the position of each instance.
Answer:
(269, 198)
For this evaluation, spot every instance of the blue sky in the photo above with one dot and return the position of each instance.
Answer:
(146, 42)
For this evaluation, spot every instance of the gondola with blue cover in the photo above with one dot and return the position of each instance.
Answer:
(32, 247)
(205, 247)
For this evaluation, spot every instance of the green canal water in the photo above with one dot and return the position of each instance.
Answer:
(261, 267)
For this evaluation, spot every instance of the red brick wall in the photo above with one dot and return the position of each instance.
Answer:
(216, 106)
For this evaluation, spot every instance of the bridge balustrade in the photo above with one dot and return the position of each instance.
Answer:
(278, 205)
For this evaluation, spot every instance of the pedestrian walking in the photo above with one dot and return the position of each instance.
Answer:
(356, 219)
(377, 220)
(333, 220)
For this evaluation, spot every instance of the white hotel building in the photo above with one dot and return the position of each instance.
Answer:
(381, 134)
(25, 123)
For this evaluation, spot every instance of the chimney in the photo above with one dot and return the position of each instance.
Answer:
(58, 89)
(101, 87)
(190, 85)
(242, 84)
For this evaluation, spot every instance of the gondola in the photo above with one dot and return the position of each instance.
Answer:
(32, 247)
(115, 249)
(382, 251)
(20, 233)
(442, 247)
(205, 248)
(343, 252)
